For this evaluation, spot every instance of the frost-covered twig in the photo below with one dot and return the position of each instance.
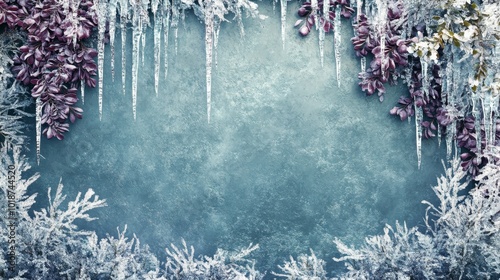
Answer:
(306, 267)
(13, 97)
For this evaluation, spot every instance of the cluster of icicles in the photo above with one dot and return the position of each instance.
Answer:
(167, 14)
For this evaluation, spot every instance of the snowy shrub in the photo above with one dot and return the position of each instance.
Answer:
(47, 244)
(305, 267)
(461, 238)
(181, 264)
(13, 97)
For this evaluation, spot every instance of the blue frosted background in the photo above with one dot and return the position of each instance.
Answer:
(289, 160)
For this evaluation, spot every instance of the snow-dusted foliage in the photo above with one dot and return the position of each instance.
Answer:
(182, 264)
(48, 244)
(13, 97)
(305, 267)
(460, 240)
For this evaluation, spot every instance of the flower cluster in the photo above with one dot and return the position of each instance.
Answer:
(54, 59)
(312, 14)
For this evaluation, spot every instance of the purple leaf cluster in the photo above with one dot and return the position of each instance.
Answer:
(431, 103)
(466, 139)
(437, 116)
(309, 16)
(386, 62)
(54, 60)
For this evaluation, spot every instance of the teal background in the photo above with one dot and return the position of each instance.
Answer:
(289, 160)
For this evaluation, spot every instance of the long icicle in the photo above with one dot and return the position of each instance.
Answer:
(157, 18)
(38, 128)
(326, 18)
(143, 45)
(100, 48)
(418, 132)
(476, 113)
(166, 28)
(359, 11)
(175, 23)
(314, 7)
(283, 21)
(136, 41)
(216, 41)
(82, 90)
(381, 33)
(209, 29)
(338, 40)
(112, 29)
(123, 31)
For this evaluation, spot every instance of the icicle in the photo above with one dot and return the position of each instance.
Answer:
(425, 77)
(314, 7)
(175, 23)
(418, 131)
(143, 45)
(100, 48)
(82, 90)
(136, 41)
(451, 131)
(337, 24)
(38, 128)
(490, 104)
(283, 21)
(112, 29)
(216, 40)
(209, 30)
(123, 30)
(359, 6)
(476, 113)
(381, 25)
(166, 27)
(439, 134)
(157, 14)
(326, 18)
